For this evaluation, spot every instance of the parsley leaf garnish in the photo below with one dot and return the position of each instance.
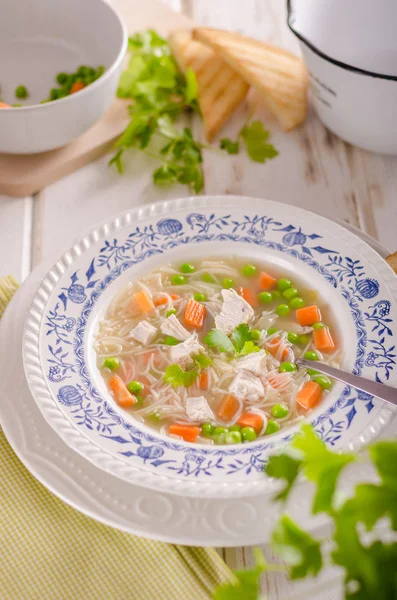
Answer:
(256, 139)
(218, 339)
(230, 146)
(285, 467)
(248, 348)
(202, 360)
(177, 377)
(298, 548)
(240, 335)
(246, 582)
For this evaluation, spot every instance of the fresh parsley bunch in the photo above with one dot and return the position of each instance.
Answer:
(160, 94)
(370, 566)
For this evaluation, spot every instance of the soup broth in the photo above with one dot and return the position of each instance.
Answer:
(205, 351)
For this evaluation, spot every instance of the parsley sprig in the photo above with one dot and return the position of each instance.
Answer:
(160, 94)
(239, 343)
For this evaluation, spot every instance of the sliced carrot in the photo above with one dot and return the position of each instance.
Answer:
(142, 301)
(164, 299)
(4, 105)
(248, 296)
(194, 314)
(76, 87)
(323, 340)
(122, 396)
(273, 348)
(308, 315)
(189, 433)
(266, 281)
(203, 384)
(251, 420)
(309, 395)
(228, 408)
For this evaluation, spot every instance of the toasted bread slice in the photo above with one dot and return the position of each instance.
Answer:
(279, 76)
(392, 261)
(220, 88)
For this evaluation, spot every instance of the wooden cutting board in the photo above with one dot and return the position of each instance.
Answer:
(23, 175)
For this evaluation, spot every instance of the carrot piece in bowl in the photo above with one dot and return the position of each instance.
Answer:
(164, 299)
(266, 281)
(228, 408)
(121, 394)
(142, 302)
(309, 396)
(251, 419)
(323, 340)
(4, 105)
(194, 314)
(76, 87)
(189, 433)
(248, 296)
(308, 315)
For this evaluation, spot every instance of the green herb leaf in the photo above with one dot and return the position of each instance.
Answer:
(240, 335)
(178, 377)
(229, 145)
(372, 502)
(321, 466)
(218, 339)
(164, 175)
(256, 138)
(284, 467)
(117, 160)
(246, 584)
(191, 86)
(298, 548)
(248, 348)
(203, 361)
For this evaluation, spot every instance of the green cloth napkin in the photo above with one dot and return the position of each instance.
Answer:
(50, 551)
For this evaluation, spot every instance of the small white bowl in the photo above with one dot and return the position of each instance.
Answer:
(41, 38)
(349, 49)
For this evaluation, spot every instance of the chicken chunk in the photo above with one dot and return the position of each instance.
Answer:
(246, 386)
(144, 333)
(198, 410)
(171, 326)
(183, 353)
(235, 310)
(254, 363)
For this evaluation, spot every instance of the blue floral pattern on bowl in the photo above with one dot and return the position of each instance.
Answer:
(68, 316)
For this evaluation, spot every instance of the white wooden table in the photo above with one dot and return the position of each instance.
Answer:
(315, 170)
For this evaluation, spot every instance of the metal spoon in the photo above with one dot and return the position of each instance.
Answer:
(384, 392)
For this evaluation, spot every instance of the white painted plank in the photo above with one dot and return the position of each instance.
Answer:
(15, 236)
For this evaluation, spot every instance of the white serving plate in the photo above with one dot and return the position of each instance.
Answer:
(101, 495)
(76, 291)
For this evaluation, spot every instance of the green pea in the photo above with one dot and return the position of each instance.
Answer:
(21, 92)
(323, 381)
(17, 105)
(170, 312)
(62, 78)
(62, 94)
(207, 278)
(187, 268)
(155, 417)
(271, 427)
(303, 340)
(135, 387)
(207, 429)
(248, 270)
(171, 341)
(318, 325)
(139, 400)
(112, 363)
(310, 355)
(279, 411)
(100, 71)
(82, 70)
(227, 283)
(297, 303)
(293, 338)
(248, 434)
(290, 293)
(283, 310)
(199, 297)
(284, 284)
(178, 280)
(235, 428)
(276, 294)
(255, 334)
(219, 431)
(233, 437)
(265, 297)
(287, 367)
(272, 330)
(312, 372)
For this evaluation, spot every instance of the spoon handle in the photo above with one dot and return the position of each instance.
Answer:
(385, 392)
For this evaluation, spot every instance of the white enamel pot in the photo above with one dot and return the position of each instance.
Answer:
(350, 50)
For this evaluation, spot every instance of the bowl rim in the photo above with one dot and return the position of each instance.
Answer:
(88, 448)
(334, 61)
(93, 86)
